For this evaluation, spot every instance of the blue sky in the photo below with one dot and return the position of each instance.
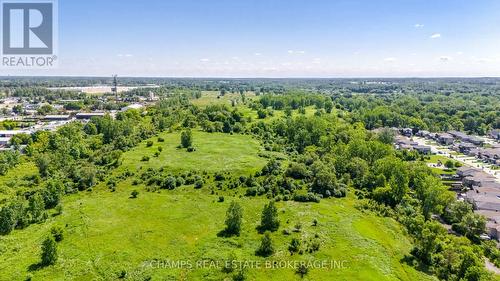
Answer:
(278, 38)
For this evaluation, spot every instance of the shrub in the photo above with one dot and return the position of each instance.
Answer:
(266, 248)
(297, 171)
(302, 270)
(239, 276)
(309, 197)
(134, 194)
(145, 158)
(58, 233)
(49, 251)
(186, 139)
(149, 143)
(198, 184)
(160, 139)
(294, 245)
(169, 183)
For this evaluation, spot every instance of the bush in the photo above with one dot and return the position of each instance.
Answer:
(309, 197)
(449, 164)
(134, 194)
(186, 139)
(302, 270)
(169, 183)
(198, 184)
(191, 149)
(266, 248)
(49, 251)
(145, 158)
(149, 143)
(221, 199)
(294, 246)
(239, 276)
(58, 233)
(161, 139)
(297, 171)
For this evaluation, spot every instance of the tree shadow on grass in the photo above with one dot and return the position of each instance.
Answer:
(226, 234)
(36, 266)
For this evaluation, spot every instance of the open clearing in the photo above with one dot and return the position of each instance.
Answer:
(108, 233)
(214, 152)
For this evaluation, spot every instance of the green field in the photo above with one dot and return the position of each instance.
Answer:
(108, 233)
(214, 152)
(13, 180)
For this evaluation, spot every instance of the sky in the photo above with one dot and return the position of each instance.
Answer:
(277, 38)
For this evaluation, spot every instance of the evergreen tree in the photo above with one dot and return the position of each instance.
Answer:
(49, 251)
(269, 219)
(234, 215)
(186, 139)
(7, 220)
(266, 248)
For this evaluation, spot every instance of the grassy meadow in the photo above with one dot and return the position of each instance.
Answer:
(109, 235)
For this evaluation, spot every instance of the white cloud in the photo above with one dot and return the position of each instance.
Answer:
(445, 58)
(300, 52)
(460, 53)
(390, 59)
(436, 35)
(258, 54)
(418, 25)
(204, 60)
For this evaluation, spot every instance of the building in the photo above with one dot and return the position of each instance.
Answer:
(11, 133)
(402, 142)
(6, 135)
(57, 117)
(495, 134)
(407, 132)
(444, 138)
(135, 106)
(466, 147)
(490, 155)
(466, 138)
(88, 115)
(424, 149)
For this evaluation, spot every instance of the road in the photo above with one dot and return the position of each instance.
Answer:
(467, 160)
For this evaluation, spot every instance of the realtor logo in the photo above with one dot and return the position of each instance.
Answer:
(28, 33)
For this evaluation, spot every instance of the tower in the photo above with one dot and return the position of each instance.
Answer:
(114, 89)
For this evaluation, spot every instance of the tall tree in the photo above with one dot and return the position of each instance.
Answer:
(49, 251)
(266, 247)
(186, 139)
(234, 216)
(269, 219)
